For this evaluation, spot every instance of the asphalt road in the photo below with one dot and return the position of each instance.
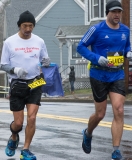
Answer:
(59, 132)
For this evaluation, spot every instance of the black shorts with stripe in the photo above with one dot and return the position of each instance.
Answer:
(101, 89)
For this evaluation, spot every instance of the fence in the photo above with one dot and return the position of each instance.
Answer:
(4, 88)
(81, 71)
(81, 74)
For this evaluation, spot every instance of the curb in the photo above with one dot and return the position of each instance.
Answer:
(66, 100)
(76, 100)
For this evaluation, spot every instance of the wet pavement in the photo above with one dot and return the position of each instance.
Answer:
(59, 132)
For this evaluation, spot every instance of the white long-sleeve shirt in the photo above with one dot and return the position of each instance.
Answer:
(24, 53)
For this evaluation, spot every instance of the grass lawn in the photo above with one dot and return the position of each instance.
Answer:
(88, 91)
(79, 91)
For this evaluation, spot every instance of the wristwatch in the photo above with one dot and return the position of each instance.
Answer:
(12, 70)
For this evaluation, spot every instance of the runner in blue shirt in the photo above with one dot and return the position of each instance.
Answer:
(110, 43)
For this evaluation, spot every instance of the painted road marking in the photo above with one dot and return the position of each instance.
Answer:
(66, 118)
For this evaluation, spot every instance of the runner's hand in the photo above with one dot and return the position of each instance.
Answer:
(103, 61)
(129, 56)
(20, 72)
(45, 62)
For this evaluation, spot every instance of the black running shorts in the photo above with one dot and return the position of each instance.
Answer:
(101, 89)
(18, 103)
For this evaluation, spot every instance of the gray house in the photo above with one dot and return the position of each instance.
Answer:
(49, 14)
(61, 23)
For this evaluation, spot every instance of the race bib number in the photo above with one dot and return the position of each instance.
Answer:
(37, 83)
(115, 58)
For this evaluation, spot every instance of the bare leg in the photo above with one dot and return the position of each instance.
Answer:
(100, 109)
(32, 110)
(118, 120)
(18, 122)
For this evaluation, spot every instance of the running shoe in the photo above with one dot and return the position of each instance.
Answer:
(86, 144)
(116, 155)
(27, 155)
(11, 146)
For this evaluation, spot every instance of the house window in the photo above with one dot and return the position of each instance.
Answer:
(82, 1)
(103, 4)
(88, 13)
(75, 54)
(96, 9)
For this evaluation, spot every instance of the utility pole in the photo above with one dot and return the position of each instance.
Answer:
(126, 20)
(3, 4)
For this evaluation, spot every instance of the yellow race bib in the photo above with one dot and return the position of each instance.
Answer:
(37, 83)
(115, 58)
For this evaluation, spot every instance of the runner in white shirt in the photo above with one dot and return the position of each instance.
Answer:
(24, 53)
(21, 57)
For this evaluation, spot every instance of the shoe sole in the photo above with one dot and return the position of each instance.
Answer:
(28, 158)
(22, 158)
(118, 159)
(83, 147)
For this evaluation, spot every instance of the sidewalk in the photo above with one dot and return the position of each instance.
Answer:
(75, 98)
(4, 100)
(79, 98)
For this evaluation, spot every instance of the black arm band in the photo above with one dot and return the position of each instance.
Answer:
(12, 71)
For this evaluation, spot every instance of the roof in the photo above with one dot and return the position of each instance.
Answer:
(18, 6)
(64, 31)
(37, 7)
(73, 31)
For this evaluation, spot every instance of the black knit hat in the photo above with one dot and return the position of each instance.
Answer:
(112, 5)
(26, 17)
